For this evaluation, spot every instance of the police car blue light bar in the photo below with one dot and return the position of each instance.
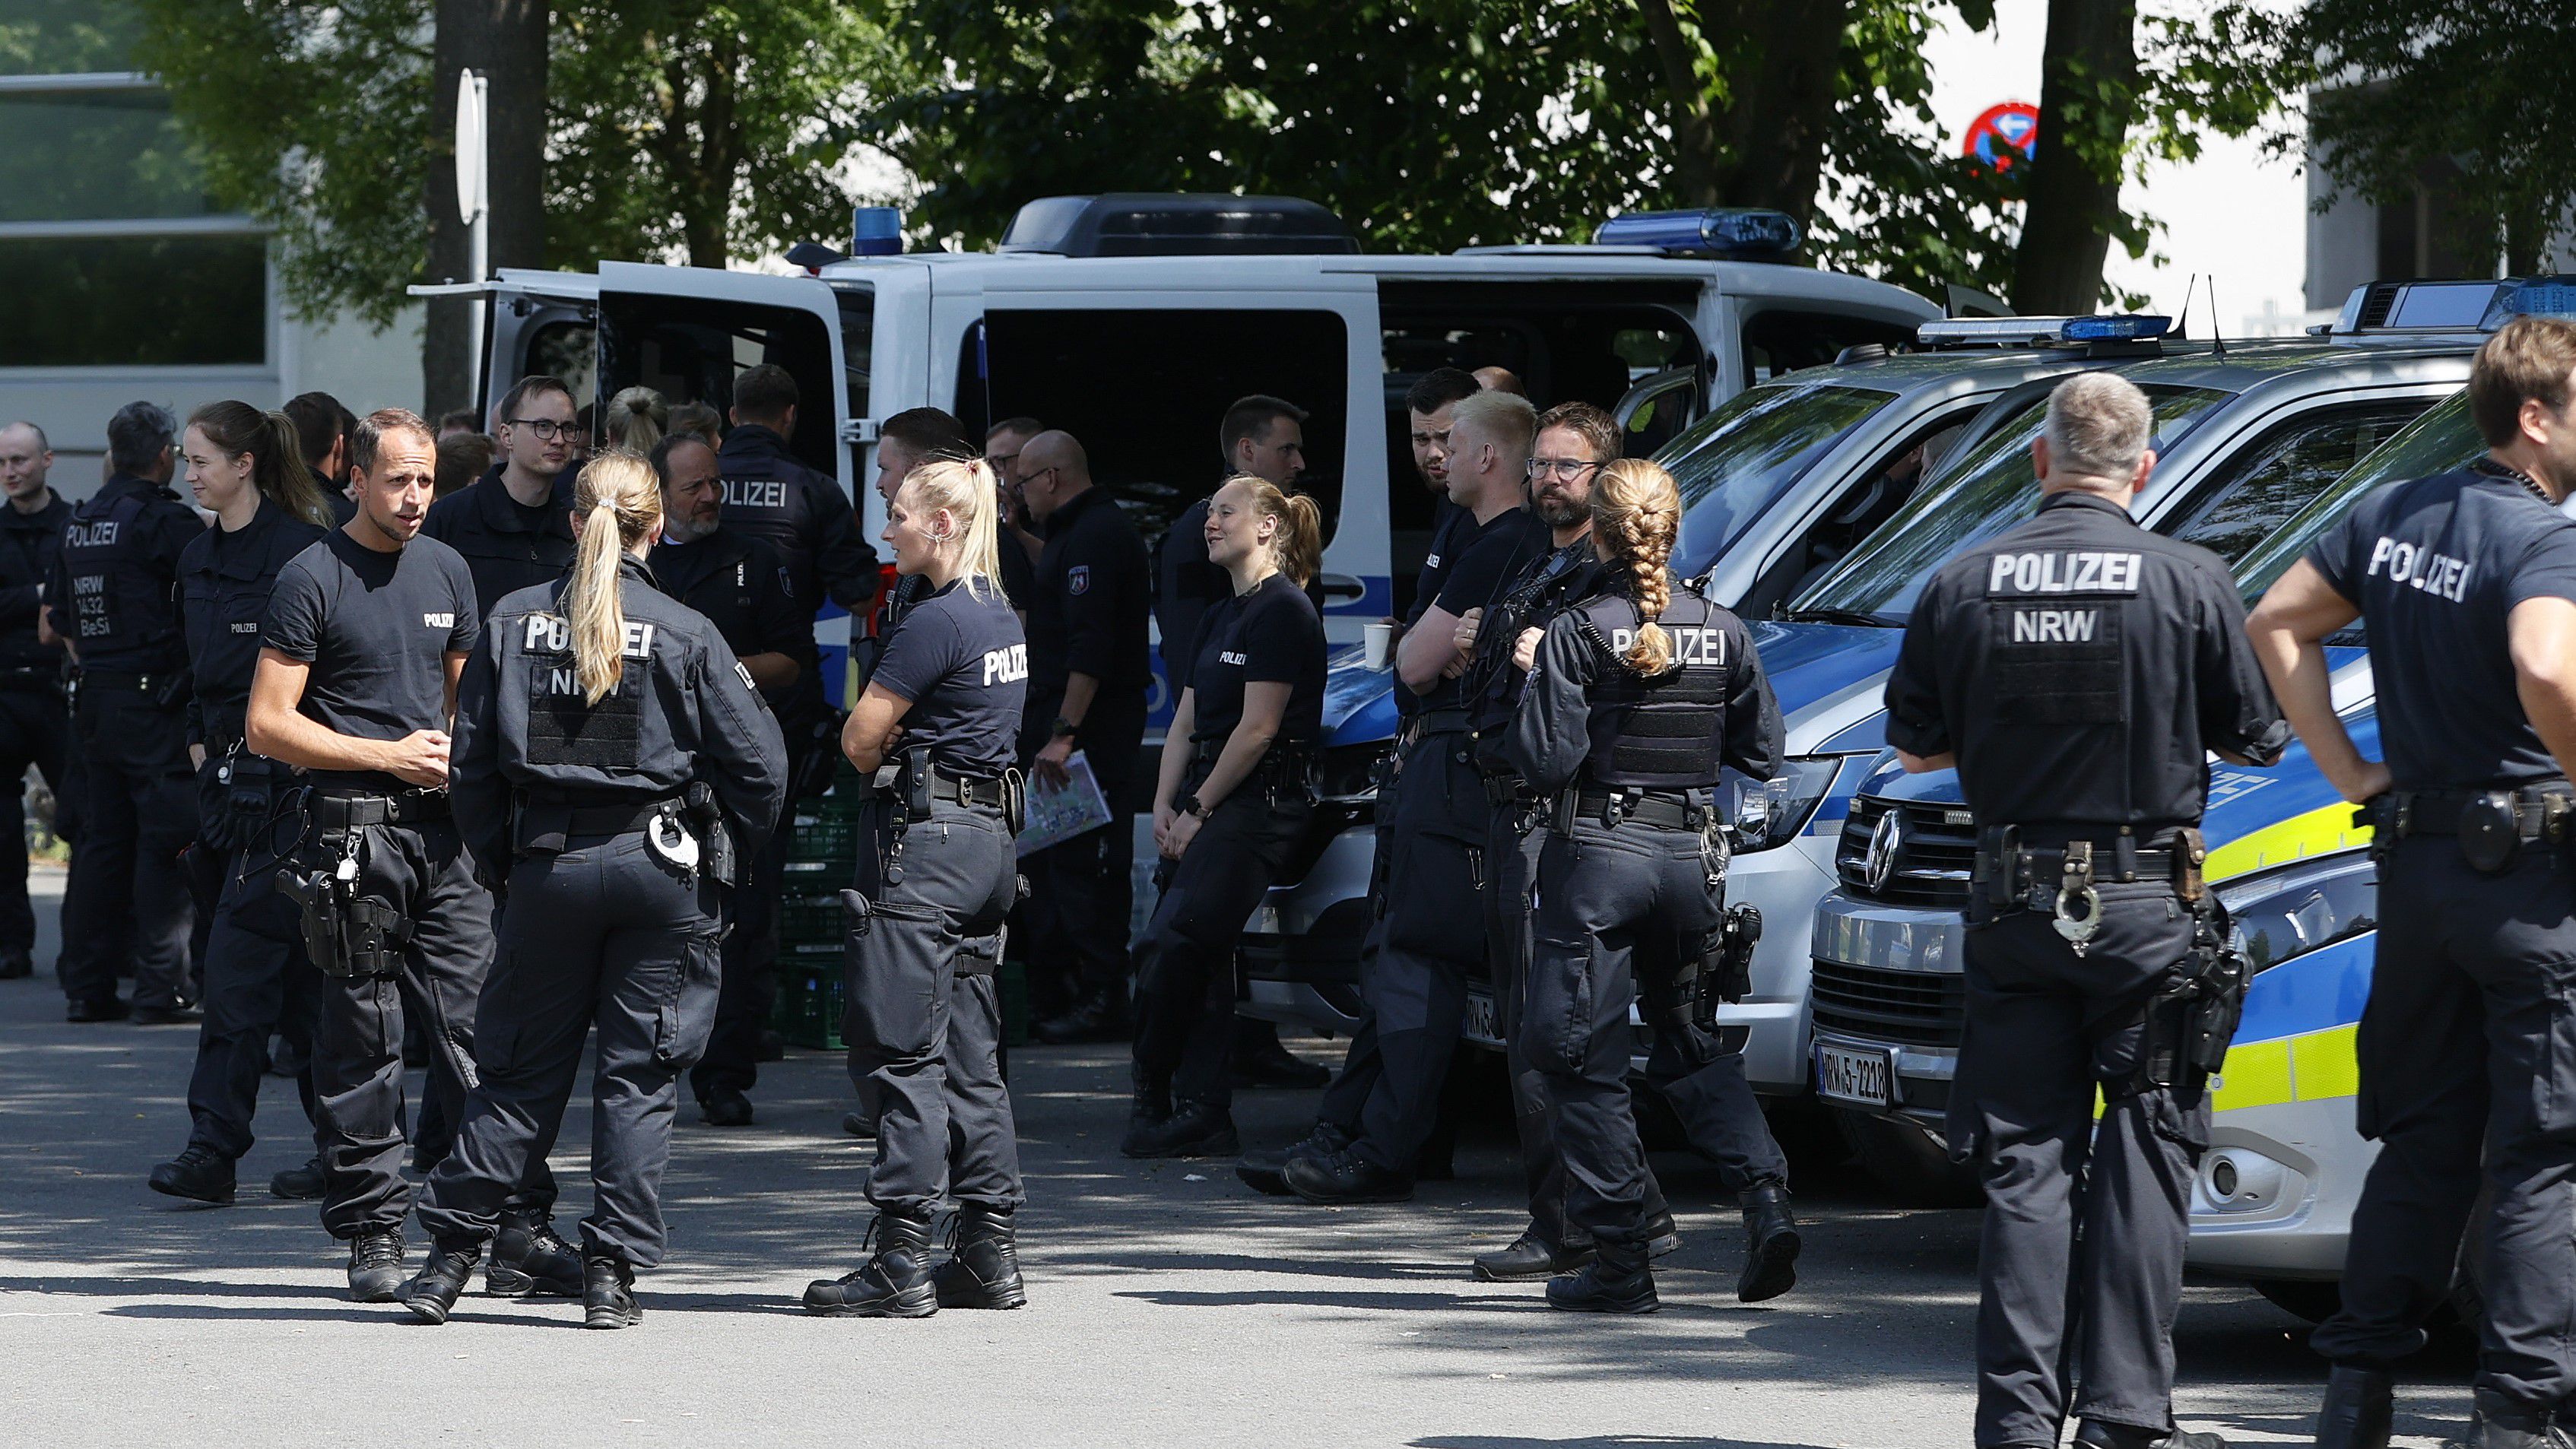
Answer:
(2537, 297)
(2131, 328)
(1720, 232)
(1956, 332)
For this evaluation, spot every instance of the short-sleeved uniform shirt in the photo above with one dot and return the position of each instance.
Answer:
(962, 663)
(377, 629)
(1087, 613)
(2436, 566)
(508, 545)
(1494, 553)
(1451, 526)
(2082, 668)
(1271, 635)
(224, 585)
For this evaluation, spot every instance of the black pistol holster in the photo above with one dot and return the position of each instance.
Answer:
(2192, 1022)
(346, 934)
(705, 820)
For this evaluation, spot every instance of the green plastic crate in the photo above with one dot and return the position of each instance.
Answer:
(823, 835)
(811, 918)
(810, 997)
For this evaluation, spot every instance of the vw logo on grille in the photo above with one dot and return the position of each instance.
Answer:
(1885, 842)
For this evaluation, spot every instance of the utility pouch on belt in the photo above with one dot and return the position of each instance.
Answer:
(1725, 965)
(2191, 1024)
(914, 783)
(345, 934)
(706, 821)
(2490, 833)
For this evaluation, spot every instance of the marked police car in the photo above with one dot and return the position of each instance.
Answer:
(1779, 485)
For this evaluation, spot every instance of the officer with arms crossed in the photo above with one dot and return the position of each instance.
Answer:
(115, 599)
(936, 876)
(1088, 679)
(609, 749)
(513, 525)
(1413, 968)
(2467, 582)
(31, 674)
(740, 585)
(1635, 700)
(366, 634)
(247, 468)
(2077, 670)
(1227, 810)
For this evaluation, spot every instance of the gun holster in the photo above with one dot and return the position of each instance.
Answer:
(346, 934)
(705, 820)
(2191, 1023)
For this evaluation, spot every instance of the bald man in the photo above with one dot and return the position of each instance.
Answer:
(1088, 682)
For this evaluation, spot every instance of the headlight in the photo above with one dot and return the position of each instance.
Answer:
(1350, 771)
(1763, 814)
(2301, 907)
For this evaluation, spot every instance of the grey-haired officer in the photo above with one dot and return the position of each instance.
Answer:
(2078, 669)
(609, 751)
(115, 598)
(2467, 582)
(1636, 699)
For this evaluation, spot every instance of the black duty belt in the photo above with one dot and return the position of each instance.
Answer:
(1435, 722)
(962, 791)
(123, 682)
(1508, 789)
(1279, 766)
(2540, 812)
(349, 811)
(546, 825)
(1669, 809)
(2059, 877)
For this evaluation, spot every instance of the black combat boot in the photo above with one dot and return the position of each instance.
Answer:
(1662, 1235)
(1529, 1259)
(859, 1124)
(983, 1267)
(530, 1260)
(1345, 1177)
(2500, 1422)
(2360, 1403)
(199, 1173)
(2098, 1434)
(376, 1266)
(1770, 1245)
(298, 1184)
(725, 1107)
(1101, 1015)
(1194, 1129)
(432, 1295)
(1260, 1061)
(894, 1282)
(1617, 1281)
(1264, 1171)
(608, 1293)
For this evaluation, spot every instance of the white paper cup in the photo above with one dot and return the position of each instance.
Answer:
(1377, 644)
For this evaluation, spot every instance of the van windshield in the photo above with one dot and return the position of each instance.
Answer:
(1735, 463)
(1992, 488)
(2442, 439)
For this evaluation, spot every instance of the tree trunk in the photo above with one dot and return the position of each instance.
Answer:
(505, 40)
(2087, 100)
(1774, 134)
(1695, 147)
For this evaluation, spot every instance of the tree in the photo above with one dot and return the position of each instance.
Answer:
(506, 42)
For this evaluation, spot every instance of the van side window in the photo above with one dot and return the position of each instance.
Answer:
(690, 349)
(1779, 342)
(2283, 471)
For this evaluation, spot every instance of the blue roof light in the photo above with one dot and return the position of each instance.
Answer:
(1958, 332)
(1719, 232)
(2538, 297)
(876, 231)
(2115, 329)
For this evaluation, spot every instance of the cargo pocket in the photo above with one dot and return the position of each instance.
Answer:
(496, 1020)
(1556, 1029)
(895, 1005)
(689, 1016)
(2553, 1077)
(1437, 888)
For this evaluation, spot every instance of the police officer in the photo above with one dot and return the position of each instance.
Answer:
(366, 634)
(1428, 407)
(1635, 700)
(322, 430)
(1021, 543)
(935, 878)
(773, 495)
(115, 600)
(740, 585)
(905, 442)
(246, 467)
(2077, 669)
(1413, 966)
(1088, 682)
(609, 748)
(32, 724)
(514, 525)
(1227, 809)
(2467, 582)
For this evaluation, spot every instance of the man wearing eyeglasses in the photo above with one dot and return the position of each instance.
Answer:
(514, 524)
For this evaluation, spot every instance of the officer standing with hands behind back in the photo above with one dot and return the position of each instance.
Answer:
(2077, 669)
(2467, 581)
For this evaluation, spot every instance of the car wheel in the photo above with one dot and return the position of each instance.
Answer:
(1909, 1161)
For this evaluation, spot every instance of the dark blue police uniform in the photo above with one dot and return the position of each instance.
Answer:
(2465, 1045)
(2081, 668)
(258, 979)
(115, 597)
(611, 823)
(772, 495)
(1630, 890)
(508, 545)
(33, 727)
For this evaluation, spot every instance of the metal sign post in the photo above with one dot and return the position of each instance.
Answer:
(474, 206)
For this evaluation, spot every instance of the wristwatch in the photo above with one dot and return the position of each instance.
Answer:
(1189, 805)
(1062, 729)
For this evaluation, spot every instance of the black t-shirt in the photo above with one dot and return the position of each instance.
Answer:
(2082, 667)
(1088, 613)
(377, 629)
(2436, 566)
(741, 585)
(1452, 528)
(1490, 556)
(506, 544)
(224, 584)
(1271, 635)
(963, 664)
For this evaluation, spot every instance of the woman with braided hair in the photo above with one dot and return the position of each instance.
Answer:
(1638, 697)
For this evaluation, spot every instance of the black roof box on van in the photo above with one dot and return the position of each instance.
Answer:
(1175, 224)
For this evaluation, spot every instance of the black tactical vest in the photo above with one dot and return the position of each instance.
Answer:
(121, 613)
(1493, 684)
(1661, 733)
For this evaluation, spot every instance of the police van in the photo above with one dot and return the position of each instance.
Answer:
(1131, 321)
(2274, 1199)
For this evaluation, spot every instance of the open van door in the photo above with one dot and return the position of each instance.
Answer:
(539, 322)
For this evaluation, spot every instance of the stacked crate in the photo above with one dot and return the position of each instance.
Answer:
(822, 853)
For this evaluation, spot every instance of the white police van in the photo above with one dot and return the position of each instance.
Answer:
(1131, 321)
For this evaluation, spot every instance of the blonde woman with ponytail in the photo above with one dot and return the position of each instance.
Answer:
(1228, 807)
(1640, 697)
(613, 771)
(937, 872)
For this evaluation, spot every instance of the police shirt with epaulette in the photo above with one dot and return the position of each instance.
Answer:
(774, 496)
(683, 709)
(377, 629)
(740, 584)
(1588, 718)
(1545, 587)
(1088, 612)
(2436, 566)
(115, 592)
(1492, 554)
(1269, 634)
(960, 660)
(2081, 667)
(224, 585)
(507, 544)
(29, 545)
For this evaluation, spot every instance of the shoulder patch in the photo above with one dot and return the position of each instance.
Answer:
(1077, 579)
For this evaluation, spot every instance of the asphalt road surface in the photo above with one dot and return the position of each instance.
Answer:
(1169, 1305)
